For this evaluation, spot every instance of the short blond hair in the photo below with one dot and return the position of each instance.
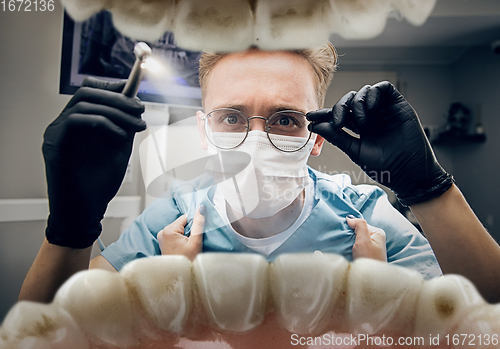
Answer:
(323, 61)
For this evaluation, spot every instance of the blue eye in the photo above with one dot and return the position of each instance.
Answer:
(284, 121)
(232, 120)
(287, 119)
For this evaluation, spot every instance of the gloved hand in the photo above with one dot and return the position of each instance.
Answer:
(392, 147)
(86, 151)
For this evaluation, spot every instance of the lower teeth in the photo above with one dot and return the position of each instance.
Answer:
(229, 294)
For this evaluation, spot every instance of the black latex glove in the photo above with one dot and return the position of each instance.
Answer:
(86, 151)
(392, 147)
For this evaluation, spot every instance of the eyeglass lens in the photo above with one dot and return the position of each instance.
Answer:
(228, 128)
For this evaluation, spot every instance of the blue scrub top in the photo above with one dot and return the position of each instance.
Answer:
(325, 229)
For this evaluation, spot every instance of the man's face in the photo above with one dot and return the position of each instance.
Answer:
(260, 83)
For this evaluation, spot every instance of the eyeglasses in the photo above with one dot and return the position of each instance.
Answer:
(228, 128)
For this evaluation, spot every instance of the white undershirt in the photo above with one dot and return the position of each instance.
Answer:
(266, 245)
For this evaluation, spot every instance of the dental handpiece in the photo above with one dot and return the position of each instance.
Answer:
(142, 51)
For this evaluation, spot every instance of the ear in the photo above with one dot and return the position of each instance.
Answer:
(201, 129)
(318, 145)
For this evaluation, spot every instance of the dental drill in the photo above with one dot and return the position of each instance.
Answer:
(142, 51)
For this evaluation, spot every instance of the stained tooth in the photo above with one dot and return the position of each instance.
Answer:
(305, 288)
(287, 24)
(443, 302)
(381, 297)
(148, 20)
(162, 285)
(40, 326)
(99, 303)
(81, 10)
(217, 25)
(232, 289)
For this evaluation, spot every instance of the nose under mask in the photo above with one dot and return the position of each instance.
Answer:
(256, 179)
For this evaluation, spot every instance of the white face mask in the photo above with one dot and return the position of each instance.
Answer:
(256, 179)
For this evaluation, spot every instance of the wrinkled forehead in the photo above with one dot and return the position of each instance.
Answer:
(260, 74)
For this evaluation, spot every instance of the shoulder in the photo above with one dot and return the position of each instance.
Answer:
(139, 240)
(339, 186)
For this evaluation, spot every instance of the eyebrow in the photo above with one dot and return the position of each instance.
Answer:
(274, 109)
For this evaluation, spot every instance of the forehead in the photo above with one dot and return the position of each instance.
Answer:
(260, 77)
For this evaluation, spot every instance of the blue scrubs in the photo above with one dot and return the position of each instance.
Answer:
(325, 229)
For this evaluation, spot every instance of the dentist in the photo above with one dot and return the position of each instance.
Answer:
(275, 97)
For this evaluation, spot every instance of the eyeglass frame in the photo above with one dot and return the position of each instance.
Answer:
(267, 128)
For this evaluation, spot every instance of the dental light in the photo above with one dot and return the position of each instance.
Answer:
(142, 52)
(231, 25)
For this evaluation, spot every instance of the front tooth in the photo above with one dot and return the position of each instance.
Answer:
(217, 25)
(291, 24)
(305, 289)
(443, 302)
(40, 326)
(381, 297)
(162, 285)
(359, 19)
(98, 301)
(232, 289)
(147, 21)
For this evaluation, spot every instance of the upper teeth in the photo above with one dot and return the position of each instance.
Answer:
(231, 25)
(213, 23)
(308, 293)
